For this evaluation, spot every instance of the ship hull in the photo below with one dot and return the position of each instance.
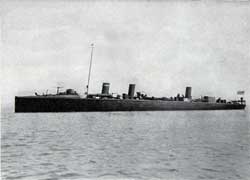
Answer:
(44, 104)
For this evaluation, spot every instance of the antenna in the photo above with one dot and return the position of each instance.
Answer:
(90, 65)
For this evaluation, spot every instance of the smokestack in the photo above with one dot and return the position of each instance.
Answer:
(105, 88)
(131, 91)
(188, 92)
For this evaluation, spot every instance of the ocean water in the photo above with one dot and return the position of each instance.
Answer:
(126, 145)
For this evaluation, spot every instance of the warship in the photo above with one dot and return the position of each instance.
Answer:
(71, 101)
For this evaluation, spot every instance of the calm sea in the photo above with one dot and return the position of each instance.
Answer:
(126, 145)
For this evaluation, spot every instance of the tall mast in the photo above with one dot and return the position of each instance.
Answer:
(90, 65)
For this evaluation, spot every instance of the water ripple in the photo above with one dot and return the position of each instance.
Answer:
(210, 170)
(138, 145)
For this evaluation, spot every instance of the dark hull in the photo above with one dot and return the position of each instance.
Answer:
(44, 104)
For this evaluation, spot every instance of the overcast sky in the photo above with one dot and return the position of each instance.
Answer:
(162, 47)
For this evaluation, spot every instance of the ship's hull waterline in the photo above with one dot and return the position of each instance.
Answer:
(44, 104)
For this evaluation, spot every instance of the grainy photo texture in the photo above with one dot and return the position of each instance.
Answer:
(125, 90)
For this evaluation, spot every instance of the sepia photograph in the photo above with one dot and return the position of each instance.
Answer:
(125, 90)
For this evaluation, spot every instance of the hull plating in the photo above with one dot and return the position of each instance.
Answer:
(41, 104)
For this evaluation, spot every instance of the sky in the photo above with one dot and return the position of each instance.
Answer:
(161, 46)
